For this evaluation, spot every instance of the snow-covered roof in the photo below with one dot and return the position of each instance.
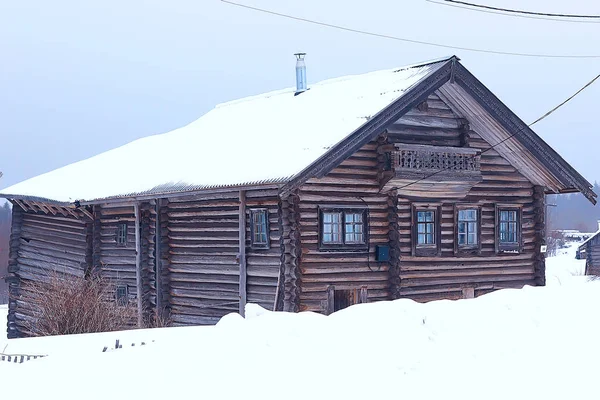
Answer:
(259, 139)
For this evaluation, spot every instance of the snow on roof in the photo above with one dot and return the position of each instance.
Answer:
(259, 139)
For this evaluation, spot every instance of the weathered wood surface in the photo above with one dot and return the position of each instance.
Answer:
(202, 239)
(263, 266)
(592, 251)
(429, 278)
(117, 263)
(41, 246)
(355, 184)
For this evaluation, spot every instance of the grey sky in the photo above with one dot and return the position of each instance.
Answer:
(78, 78)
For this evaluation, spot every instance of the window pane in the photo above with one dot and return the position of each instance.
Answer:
(259, 227)
(462, 237)
(462, 227)
(429, 238)
(421, 238)
(472, 238)
(332, 227)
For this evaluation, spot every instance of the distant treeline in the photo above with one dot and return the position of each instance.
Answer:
(5, 216)
(573, 211)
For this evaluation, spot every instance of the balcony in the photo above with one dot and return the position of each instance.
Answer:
(432, 171)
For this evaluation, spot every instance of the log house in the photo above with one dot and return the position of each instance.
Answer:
(410, 183)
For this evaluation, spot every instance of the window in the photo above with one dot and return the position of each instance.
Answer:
(509, 228)
(467, 227)
(122, 234)
(425, 228)
(259, 228)
(122, 295)
(343, 229)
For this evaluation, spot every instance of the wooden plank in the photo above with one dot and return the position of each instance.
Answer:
(242, 253)
(330, 299)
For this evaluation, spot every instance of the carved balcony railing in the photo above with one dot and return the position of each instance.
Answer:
(433, 171)
(430, 159)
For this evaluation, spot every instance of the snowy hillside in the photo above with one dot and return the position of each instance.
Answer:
(511, 344)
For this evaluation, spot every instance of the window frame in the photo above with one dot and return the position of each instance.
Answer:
(122, 300)
(509, 247)
(423, 250)
(467, 248)
(118, 234)
(260, 245)
(343, 245)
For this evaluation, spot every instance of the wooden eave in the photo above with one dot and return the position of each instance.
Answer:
(452, 71)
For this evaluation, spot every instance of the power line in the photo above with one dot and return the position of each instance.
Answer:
(381, 35)
(580, 21)
(510, 136)
(509, 10)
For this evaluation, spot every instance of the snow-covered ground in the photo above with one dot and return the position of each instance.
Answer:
(511, 344)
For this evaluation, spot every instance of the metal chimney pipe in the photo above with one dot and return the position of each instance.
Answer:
(300, 73)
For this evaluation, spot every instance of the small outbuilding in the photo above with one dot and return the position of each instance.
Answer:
(589, 251)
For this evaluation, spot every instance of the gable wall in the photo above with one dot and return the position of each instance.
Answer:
(445, 276)
(420, 278)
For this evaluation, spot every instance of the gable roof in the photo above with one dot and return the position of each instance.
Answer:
(262, 139)
(279, 138)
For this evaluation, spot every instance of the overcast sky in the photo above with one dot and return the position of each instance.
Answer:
(79, 78)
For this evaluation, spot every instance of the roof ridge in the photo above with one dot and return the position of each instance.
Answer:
(327, 81)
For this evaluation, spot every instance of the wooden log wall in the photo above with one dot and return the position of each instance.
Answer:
(116, 262)
(41, 246)
(148, 261)
(202, 264)
(430, 278)
(291, 252)
(263, 265)
(354, 183)
(201, 254)
(164, 280)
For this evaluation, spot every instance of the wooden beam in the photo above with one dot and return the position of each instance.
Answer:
(20, 204)
(330, 299)
(138, 265)
(85, 212)
(242, 254)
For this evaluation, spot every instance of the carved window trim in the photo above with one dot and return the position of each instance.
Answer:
(342, 244)
(424, 250)
(259, 228)
(516, 246)
(466, 249)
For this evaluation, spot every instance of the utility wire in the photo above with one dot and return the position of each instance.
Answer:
(509, 10)
(509, 137)
(580, 21)
(380, 35)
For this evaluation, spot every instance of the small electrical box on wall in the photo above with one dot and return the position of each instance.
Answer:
(382, 253)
